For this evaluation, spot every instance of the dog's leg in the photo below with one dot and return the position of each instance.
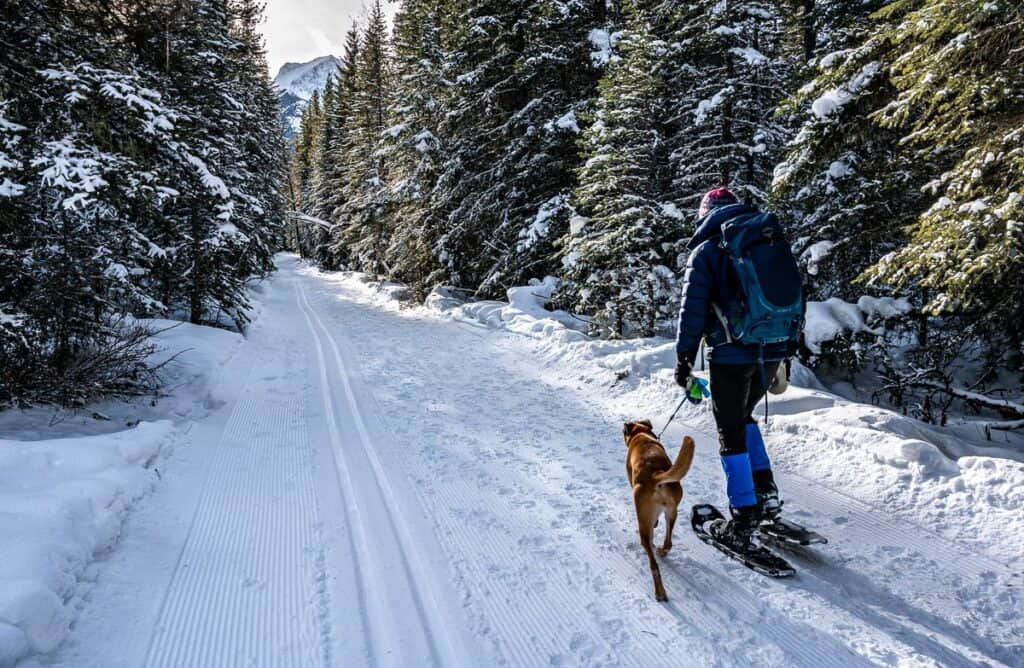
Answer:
(670, 522)
(644, 516)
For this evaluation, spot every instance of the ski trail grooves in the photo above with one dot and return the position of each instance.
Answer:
(377, 495)
(498, 545)
(516, 470)
(244, 587)
(375, 621)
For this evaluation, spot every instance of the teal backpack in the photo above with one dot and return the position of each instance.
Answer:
(771, 309)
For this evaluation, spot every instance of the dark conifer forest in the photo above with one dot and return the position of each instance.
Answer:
(141, 171)
(479, 144)
(491, 142)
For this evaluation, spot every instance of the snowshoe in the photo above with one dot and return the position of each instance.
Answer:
(706, 519)
(790, 533)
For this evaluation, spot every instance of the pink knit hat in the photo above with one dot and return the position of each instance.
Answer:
(716, 198)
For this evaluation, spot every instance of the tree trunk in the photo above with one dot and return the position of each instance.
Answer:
(810, 30)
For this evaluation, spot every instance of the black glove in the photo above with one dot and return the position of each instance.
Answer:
(683, 370)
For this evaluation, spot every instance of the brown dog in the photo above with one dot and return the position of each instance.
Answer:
(656, 489)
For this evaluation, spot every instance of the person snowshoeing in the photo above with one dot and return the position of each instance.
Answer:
(748, 343)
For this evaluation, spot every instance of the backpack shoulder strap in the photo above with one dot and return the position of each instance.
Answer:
(725, 322)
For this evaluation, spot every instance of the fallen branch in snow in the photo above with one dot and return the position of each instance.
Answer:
(1009, 425)
(1005, 407)
(310, 220)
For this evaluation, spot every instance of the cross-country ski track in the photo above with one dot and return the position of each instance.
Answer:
(388, 488)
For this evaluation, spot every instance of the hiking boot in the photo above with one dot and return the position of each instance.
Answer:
(767, 496)
(739, 531)
(770, 505)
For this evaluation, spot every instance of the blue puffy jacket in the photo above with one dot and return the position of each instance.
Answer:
(708, 280)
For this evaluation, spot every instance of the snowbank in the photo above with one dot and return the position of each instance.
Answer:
(834, 317)
(67, 482)
(524, 313)
(897, 463)
(927, 475)
(63, 501)
(829, 319)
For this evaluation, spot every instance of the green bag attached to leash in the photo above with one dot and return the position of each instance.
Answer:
(697, 390)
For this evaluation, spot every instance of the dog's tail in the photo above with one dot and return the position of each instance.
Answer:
(682, 465)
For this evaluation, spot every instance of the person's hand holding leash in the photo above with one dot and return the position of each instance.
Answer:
(683, 371)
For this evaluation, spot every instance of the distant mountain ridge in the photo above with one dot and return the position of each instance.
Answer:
(296, 83)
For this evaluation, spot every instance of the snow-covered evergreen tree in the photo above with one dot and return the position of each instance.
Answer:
(412, 147)
(84, 135)
(212, 228)
(260, 146)
(959, 73)
(733, 70)
(845, 186)
(522, 74)
(364, 232)
(538, 162)
(127, 187)
(614, 257)
(325, 177)
(301, 191)
(486, 40)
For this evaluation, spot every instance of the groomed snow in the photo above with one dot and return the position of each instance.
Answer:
(889, 460)
(378, 483)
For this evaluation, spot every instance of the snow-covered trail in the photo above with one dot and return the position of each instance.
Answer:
(393, 489)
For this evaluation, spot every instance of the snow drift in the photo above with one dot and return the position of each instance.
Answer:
(65, 495)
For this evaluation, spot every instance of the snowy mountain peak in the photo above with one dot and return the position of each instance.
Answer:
(298, 81)
(304, 79)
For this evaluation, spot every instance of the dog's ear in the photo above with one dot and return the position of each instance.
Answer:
(631, 429)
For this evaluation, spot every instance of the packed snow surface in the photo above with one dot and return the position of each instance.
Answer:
(378, 484)
(67, 482)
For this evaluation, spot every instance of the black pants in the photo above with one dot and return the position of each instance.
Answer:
(735, 391)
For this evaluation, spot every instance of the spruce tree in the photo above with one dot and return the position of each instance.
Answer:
(301, 174)
(364, 233)
(486, 40)
(212, 225)
(260, 146)
(335, 172)
(732, 71)
(845, 185)
(613, 258)
(324, 173)
(538, 162)
(959, 72)
(84, 136)
(112, 160)
(412, 148)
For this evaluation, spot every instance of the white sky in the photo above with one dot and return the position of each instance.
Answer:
(301, 30)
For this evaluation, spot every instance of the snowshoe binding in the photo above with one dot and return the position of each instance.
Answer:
(735, 540)
(790, 533)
